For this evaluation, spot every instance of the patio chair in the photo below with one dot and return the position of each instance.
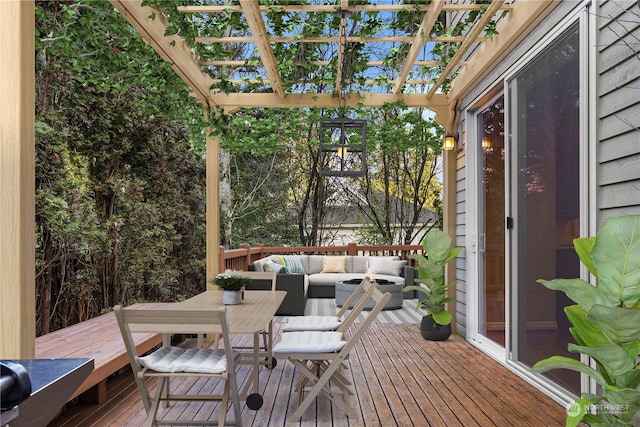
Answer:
(320, 357)
(332, 323)
(171, 361)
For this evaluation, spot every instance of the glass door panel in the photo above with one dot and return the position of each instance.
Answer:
(544, 105)
(491, 241)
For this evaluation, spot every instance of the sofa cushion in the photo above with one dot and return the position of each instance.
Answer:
(259, 264)
(356, 264)
(386, 266)
(330, 279)
(334, 264)
(293, 264)
(314, 264)
(274, 266)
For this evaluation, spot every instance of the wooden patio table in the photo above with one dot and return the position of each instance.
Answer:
(253, 316)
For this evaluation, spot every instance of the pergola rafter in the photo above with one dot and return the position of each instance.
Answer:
(261, 40)
(419, 40)
(152, 27)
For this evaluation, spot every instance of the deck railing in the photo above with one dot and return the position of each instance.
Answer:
(240, 258)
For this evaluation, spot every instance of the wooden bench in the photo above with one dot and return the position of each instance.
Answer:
(100, 339)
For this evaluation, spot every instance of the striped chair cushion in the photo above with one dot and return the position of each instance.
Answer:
(311, 323)
(178, 359)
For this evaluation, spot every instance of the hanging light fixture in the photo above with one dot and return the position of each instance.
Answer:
(486, 142)
(343, 141)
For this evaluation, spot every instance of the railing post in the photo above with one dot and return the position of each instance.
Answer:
(247, 256)
(352, 249)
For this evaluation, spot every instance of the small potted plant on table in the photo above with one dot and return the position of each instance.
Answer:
(436, 324)
(232, 283)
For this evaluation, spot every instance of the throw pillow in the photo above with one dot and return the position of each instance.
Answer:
(386, 266)
(294, 264)
(334, 264)
(274, 266)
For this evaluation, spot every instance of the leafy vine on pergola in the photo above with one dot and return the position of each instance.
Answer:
(392, 49)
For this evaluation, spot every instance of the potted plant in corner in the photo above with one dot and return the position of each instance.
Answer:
(436, 324)
(232, 283)
(606, 324)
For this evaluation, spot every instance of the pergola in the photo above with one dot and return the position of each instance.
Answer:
(378, 81)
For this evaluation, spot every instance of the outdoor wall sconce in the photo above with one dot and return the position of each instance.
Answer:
(343, 147)
(450, 142)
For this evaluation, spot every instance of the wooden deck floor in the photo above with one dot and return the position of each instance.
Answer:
(400, 380)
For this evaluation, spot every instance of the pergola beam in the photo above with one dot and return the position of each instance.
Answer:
(335, 39)
(426, 26)
(334, 8)
(171, 48)
(261, 39)
(342, 44)
(466, 45)
(242, 62)
(525, 16)
(326, 100)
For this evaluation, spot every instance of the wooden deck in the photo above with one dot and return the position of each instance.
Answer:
(400, 380)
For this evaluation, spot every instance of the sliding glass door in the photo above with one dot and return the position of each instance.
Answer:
(544, 123)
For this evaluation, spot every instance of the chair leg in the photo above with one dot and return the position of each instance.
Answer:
(144, 391)
(235, 398)
(153, 411)
(321, 385)
(224, 405)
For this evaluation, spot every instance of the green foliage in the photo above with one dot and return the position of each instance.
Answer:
(403, 157)
(606, 323)
(437, 246)
(119, 189)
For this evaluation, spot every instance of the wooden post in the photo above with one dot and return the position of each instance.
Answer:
(213, 206)
(17, 180)
(449, 226)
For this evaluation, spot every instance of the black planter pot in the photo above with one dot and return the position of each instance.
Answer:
(432, 331)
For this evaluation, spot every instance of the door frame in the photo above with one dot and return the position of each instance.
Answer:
(582, 13)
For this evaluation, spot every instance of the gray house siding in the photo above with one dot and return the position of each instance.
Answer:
(618, 109)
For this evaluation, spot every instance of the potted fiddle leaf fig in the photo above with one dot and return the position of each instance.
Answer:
(436, 324)
(606, 324)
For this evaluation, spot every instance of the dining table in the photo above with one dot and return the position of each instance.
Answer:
(254, 316)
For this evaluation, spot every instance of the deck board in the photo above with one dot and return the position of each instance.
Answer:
(400, 380)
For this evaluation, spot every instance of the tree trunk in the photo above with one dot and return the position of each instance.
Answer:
(225, 198)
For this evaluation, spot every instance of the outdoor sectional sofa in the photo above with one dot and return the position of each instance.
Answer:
(315, 276)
